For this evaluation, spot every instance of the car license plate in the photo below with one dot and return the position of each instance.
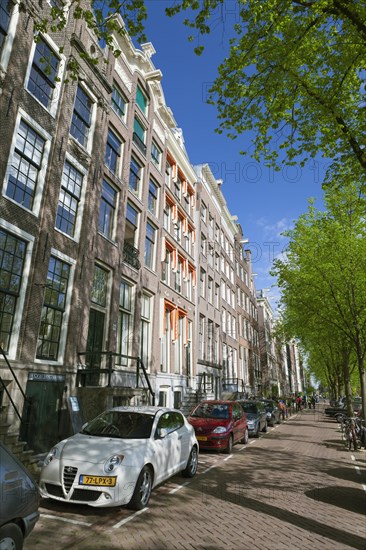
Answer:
(108, 481)
(201, 438)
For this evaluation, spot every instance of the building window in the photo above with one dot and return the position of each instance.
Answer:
(178, 188)
(210, 290)
(203, 212)
(153, 197)
(203, 283)
(168, 173)
(217, 296)
(12, 258)
(5, 10)
(100, 286)
(53, 310)
(43, 74)
(139, 135)
(146, 311)
(108, 204)
(201, 337)
(81, 118)
(131, 225)
(135, 176)
(150, 246)
(125, 321)
(178, 276)
(177, 229)
(25, 166)
(113, 151)
(203, 245)
(156, 155)
(119, 103)
(167, 266)
(141, 100)
(210, 340)
(69, 199)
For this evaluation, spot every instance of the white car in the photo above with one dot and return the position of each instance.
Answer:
(119, 457)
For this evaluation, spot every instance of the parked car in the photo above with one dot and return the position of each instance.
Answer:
(273, 412)
(219, 425)
(256, 416)
(119, 457)
(19, 497)
(340, 411)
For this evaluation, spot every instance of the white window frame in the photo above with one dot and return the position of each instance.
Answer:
(71, 160)
(18, 316)
(8, 42)
(52, 109)
(65, 318)
(89, 144)
(44, 163)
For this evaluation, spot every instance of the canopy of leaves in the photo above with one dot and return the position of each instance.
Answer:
(323, 281)
(295, 75)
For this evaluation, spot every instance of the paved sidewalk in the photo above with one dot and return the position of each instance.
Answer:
(294, 488)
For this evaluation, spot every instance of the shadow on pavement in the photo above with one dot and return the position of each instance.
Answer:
(348, 474)
(350, 499)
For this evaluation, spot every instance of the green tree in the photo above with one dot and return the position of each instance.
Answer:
(323, 278)
(295, 74)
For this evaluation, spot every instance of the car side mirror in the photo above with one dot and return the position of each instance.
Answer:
(162, 432)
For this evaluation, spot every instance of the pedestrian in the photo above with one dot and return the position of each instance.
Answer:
(312, 401)
(298, 403)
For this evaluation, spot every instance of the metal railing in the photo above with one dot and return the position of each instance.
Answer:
(233, 385)
(3, 385)
(131, 255)
(104, 362)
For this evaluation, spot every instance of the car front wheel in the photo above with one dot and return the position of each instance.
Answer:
(246, 437)
(229, 447)
(142, 492)
(191, 468)
(11, 537)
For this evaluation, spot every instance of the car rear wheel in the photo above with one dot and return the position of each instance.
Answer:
(142, 492)
(191, 468)
(229, 447)
(246, 437)
(11, 537)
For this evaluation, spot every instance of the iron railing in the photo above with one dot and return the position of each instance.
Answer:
(131, 255)
(3, 385)
(104, 362)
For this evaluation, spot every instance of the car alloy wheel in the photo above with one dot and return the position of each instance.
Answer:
(191, 468)
(142, 492)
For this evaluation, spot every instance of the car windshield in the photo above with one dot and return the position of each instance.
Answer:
(250, 408)
(211, 410)
(120, 424)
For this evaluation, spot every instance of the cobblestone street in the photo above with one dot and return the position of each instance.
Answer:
(294, 487)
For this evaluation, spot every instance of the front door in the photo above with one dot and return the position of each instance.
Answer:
(40, 421)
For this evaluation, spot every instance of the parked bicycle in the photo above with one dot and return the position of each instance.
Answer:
(353, 433)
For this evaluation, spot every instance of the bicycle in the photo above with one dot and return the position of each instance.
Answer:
(351, 434)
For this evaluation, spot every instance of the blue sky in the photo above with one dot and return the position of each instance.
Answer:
(266, 202)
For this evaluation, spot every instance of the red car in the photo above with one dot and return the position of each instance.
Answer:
(219, 424)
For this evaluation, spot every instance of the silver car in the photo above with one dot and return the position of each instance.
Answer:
(19, 497)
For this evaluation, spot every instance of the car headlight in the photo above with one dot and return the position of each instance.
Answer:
(112, 463)
(54, 453)
(219, 430)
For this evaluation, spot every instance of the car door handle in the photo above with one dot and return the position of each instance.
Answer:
(180, 436)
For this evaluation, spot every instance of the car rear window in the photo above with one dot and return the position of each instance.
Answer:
(212, 410)
(250, 407)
